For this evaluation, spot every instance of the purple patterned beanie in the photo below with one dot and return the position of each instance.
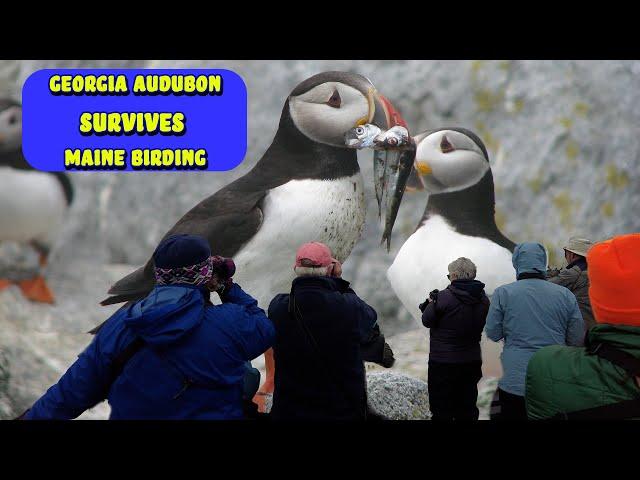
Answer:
(183, 259)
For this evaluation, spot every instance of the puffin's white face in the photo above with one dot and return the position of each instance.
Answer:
(10, 128)
(449, 161)
(327, 111)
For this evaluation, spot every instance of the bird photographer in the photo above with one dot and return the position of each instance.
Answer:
(455, 317)
(172, 354)
(324, 332)
(575, 276)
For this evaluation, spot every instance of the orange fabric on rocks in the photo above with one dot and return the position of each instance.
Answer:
(614, 275)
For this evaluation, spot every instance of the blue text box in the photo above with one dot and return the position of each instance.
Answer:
(208, 124)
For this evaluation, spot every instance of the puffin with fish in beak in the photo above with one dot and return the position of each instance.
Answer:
(458, 221)
(306, 187)
(33, 204)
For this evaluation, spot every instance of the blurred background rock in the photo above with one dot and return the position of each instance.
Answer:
(564, 143)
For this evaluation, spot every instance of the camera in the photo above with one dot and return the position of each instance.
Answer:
(433, 295)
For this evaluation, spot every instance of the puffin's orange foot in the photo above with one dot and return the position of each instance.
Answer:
(260, 398)
(36, 289)
(4, 283)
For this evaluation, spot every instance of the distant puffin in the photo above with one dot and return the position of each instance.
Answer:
(33, 204)
(459, 220)
(306, 187)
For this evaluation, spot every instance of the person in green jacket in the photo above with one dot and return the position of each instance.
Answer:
(601, 379)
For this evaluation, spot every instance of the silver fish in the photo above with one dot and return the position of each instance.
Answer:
(393, 157)
(362, 136)
(395, 137)
(380, 158)
(399, 168)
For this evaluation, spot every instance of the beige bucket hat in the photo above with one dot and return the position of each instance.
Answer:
(578, 245)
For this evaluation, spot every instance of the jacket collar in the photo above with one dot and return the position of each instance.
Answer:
(525, 275)
(328, 283)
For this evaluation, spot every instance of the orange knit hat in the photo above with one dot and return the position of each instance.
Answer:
(614, 277)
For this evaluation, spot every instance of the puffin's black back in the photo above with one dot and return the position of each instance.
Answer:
(232, 216)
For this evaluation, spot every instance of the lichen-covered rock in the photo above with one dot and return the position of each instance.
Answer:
(396, 396)
(486, 389)
(551, 128)
(6, 409)
(412, 353)
(38, 342)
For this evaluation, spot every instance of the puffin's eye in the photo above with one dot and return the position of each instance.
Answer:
(335, 100)
(446, 146)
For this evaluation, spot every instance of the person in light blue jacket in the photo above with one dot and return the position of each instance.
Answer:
(529, 314)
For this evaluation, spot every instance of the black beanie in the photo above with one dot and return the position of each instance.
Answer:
(181, 251)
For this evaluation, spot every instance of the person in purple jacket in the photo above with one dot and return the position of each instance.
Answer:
(456, 317)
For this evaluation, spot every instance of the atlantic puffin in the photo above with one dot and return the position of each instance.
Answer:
(458, 221)
(33, 204)
(306, 187)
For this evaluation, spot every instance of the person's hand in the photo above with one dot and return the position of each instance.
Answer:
(214, 283)
(553, 272)
(387, 356)
(223, 271)
(336, 269)
(424, 304)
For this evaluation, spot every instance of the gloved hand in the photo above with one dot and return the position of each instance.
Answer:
(553, 272)
(387, 357)
(423, 305)
(433, 297)
(223, 271)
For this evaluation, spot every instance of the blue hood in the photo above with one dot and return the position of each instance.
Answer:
(529, 257)
(166, 314)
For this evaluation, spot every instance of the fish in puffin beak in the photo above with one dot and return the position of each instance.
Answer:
(393, 158)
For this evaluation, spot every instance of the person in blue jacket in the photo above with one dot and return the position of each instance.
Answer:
(529, 314)
(191, 359)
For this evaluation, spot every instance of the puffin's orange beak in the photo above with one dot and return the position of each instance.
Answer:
(392, 114)
(385, 115)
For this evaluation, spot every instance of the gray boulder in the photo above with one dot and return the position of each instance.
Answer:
(395, 396)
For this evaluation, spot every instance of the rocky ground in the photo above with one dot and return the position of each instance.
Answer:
(39, 342)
